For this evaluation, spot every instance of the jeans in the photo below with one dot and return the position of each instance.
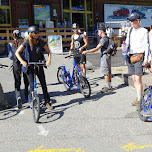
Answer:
(41, 76)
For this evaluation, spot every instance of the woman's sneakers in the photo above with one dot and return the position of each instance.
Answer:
(19, 103)
(136, 102)
(48, 105)
(5, 106)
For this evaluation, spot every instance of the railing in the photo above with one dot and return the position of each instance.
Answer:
(6, 34)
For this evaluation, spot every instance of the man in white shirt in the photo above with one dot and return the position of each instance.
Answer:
(138, 42)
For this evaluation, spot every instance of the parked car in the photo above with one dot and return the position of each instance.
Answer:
(140, 13)
(121, 12)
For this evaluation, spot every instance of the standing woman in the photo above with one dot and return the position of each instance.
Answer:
(34, 47)
(12, 47)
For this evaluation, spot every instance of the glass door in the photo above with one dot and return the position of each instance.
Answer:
(79, 18)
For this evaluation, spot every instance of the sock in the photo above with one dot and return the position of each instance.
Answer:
(108, 84)
(139, 95)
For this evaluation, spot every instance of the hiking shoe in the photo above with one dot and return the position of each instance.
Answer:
(148, 113)
(19, 103)
(106, 89)
(6, 106)
(48, 105)
(136, 102)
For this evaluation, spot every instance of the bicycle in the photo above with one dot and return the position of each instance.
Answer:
(34, 95)
(146, 103)
(74, 81)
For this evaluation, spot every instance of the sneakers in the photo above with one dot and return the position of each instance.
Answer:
(19, 103)
(148, 113)
(48, 105)
(6, 106)
(136, 102)
(106, 89)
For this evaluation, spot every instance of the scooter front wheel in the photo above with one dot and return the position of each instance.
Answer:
(36, 109)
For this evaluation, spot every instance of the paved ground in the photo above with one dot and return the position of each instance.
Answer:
(102, 123)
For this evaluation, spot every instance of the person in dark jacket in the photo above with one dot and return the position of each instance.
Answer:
(12, 47)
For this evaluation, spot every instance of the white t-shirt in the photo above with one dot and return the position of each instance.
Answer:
(139, 41)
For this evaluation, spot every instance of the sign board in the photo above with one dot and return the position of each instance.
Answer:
(41, 13)
(113, 12)
(77, 8)
(55, 44)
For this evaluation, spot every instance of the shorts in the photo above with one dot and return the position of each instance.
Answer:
(105, 64)
(80, 59)
(135, 68)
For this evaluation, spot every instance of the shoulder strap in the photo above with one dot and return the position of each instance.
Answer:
(11, 44)
(129, 38)
(81, 36)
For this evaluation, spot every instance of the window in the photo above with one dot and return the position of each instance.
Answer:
(66, 16)
(89, 19)
(4, 2)
(78, 3)
(89, 5)
(5, 13)
(66, 4)
(4, 16)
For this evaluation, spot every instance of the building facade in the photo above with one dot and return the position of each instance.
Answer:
(23, 13)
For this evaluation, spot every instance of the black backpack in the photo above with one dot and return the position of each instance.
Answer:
(112, 47)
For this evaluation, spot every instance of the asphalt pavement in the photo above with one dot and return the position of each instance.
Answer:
(105, 122)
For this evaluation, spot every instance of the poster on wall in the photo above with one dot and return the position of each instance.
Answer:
(41, 13)
(55, 44)
(113, 12)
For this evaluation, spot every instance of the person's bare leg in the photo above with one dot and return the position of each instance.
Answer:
(83, 68)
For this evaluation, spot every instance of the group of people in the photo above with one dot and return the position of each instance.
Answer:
(22, 52)
(137, 42)
(138, 52)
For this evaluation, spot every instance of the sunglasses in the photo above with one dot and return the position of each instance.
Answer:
(133, 20)
(36, 32)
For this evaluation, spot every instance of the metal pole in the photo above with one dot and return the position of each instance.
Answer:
(62, 9)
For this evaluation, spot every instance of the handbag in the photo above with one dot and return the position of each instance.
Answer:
(136, 58)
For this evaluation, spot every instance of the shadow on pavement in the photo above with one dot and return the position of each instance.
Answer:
(9, 113)
(59, 110)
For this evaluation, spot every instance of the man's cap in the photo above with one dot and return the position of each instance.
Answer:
(75, 26)
(102, 29)
(16, 32)
(133, 16)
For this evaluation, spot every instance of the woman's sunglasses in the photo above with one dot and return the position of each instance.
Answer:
(36, 32)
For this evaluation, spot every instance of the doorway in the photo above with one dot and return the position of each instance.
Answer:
(79, 18)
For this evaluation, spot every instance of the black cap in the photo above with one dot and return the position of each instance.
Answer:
(102, 29)
(133, 17)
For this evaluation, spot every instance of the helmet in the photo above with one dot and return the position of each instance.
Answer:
(75, 26)
(17, 34)
(32, 29)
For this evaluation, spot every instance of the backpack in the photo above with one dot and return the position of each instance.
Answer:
(112, 47)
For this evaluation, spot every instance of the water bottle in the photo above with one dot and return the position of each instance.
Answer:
(124, 48)
(124, 51)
